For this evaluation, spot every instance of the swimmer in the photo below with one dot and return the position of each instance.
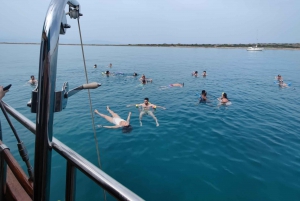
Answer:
(223, 99)
(282, 84)
(177, 85)
(195, 73)
(172, 85)
(134, 74)
(204, 73)
(107, 73)
(144, 79)
(278, 77)
(117, 120)
(146, 109)
(110, 65)
(95, 66)
(203, 97)
(32, 80)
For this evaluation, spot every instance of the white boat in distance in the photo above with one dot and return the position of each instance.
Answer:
(255, 48)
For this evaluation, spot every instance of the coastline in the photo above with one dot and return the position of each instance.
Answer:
(266, 46)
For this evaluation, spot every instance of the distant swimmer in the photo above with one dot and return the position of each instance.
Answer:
(143, 79)
(203, 97)
(278, 77)
(135, 74)
(223, 99)
(177, 85)
(147, 108)
(117, 120)
(282, 84)
(95, 66)
(110, 65)
(32, 80)
(107, 73)
(172, 85)
(195, 73)
(204, 74)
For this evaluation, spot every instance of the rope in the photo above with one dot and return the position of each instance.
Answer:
(91, 109)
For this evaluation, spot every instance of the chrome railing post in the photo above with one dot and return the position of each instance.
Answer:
(45, 100)
(70, 182)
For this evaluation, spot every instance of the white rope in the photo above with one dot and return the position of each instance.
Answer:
(91, 109)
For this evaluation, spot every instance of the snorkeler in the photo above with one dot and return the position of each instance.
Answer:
(195, 73)
(223, 99)
(32, 80)
(146, 109)
(117, 120)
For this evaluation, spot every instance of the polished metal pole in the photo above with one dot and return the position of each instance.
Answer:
(46, 99)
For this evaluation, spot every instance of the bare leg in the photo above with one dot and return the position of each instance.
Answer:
(112, 113)
(141, 115)
(152, 115)
(108, 118)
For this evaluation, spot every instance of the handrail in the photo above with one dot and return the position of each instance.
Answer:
(112, 186)
(18, 172)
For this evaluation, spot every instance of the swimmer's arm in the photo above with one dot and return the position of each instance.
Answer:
(133, 105)
(111, 126)
(159, 106)
(128, 118)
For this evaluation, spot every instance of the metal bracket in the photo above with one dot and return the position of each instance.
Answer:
(2, 147)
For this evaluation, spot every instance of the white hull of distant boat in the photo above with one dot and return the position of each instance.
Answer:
(255, 48)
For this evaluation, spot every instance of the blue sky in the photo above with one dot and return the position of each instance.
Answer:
(160, 21)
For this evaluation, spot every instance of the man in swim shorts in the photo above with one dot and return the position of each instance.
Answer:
(146, 109)
(115, 119)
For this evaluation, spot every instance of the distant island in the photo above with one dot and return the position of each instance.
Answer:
(264, 45)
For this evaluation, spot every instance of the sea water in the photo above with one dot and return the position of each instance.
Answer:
(248, 150)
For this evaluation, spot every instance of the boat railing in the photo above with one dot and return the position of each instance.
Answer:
(74, 162)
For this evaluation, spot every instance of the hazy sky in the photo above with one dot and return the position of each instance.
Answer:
(160, 21)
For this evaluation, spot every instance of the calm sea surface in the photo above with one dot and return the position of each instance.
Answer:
(249, 150)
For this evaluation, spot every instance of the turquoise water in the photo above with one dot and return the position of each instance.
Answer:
(246, 151)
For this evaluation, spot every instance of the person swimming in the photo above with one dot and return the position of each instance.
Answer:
(117, 120)
(32, 80)
(223, 99)
(177, 85)
(204, 73)
(146, 109)
(95, 66)
(195, 73)
(135, 74)
(203, 97)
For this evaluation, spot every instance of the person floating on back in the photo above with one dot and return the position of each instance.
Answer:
(117, 120)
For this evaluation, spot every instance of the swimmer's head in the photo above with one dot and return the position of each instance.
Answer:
(32, 77)
(127, 129)
(196, 72)
(224, 95)
(203, 92)
(146, 101)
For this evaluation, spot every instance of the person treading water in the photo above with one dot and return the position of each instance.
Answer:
(147, 109)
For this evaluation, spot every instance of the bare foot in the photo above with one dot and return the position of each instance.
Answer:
(157, 124)
(141, 123)
(96, 111)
